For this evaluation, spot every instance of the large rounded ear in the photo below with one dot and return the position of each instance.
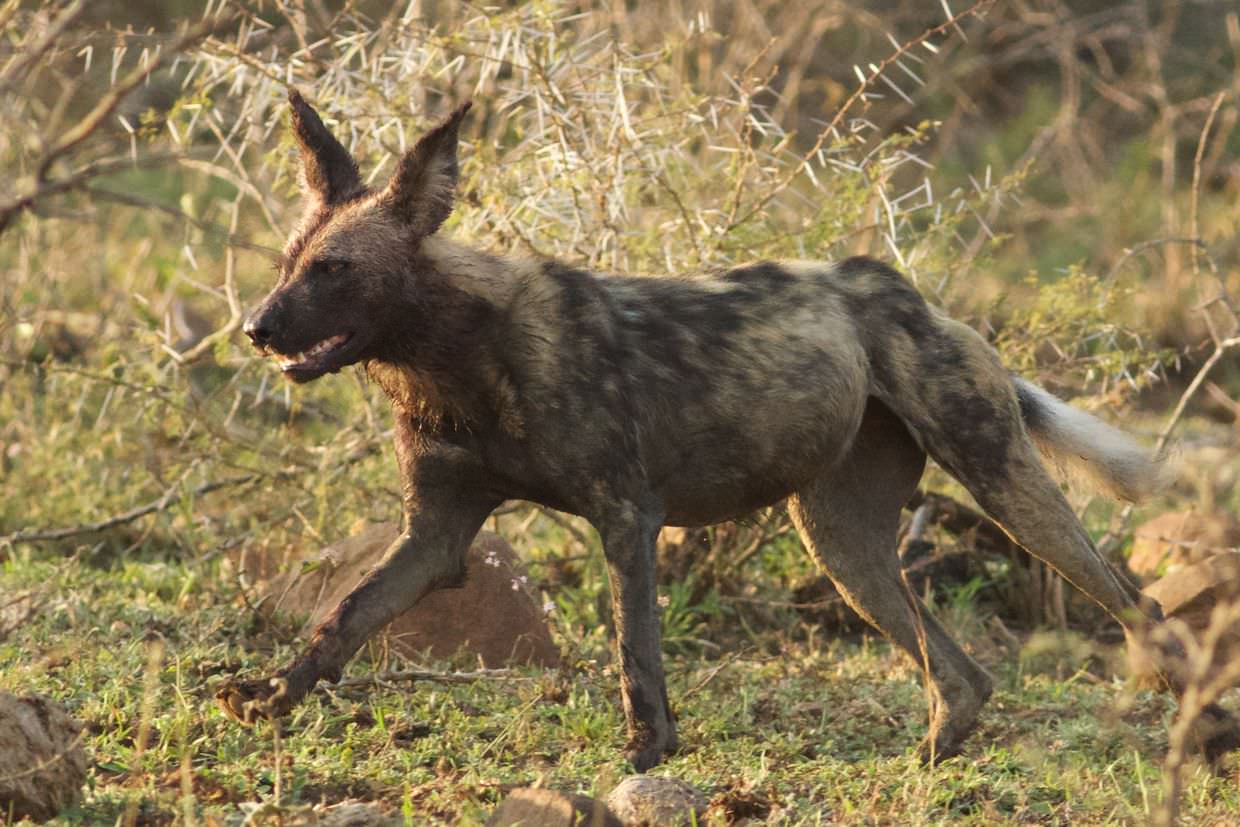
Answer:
(424, 185)
(329, 173)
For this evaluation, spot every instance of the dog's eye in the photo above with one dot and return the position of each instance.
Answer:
(332, 267)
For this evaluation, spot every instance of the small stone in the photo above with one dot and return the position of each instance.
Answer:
(533, 807)
(657, 801)
(353, 814)
(42, 762)
(348, 813)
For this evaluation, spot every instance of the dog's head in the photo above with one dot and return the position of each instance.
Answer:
(346, 268)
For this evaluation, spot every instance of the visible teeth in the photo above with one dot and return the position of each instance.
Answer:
(317, 350)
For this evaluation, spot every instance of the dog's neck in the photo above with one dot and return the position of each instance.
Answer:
(444, 370)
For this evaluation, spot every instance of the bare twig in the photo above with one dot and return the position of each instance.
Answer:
(379, 678)
(1137, 249)
(830, 129)
(228, 236)
(208, 342)
(16, 70)
(108, 104)
(1222, 346)
(1196, 190)
(724, 663)
(1221, 398)
(566, 524)
(72, 138)
(162, 502)
(1210, 670)
(1119, 526)
(75, 180)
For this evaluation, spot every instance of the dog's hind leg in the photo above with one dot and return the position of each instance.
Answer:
(849, 518)
(978, 435)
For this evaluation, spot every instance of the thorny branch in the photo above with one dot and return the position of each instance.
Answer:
(161, 503)
(831, 129)
(168, 498)
(72, 138)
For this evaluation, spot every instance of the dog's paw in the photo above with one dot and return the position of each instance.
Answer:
(644, 758)
(932, 753)
(249, 702)
(648, 752)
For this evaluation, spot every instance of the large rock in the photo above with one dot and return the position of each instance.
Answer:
(657, 801)
(530, 807)
(1180, 538)
(492, 615)
(42, 762)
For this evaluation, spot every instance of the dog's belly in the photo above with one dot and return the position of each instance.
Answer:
(732, 469)
(701, 508)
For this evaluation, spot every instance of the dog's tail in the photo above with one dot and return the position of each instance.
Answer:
(1078, 444)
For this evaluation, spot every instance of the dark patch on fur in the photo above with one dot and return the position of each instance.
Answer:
(577, 292)
(643, 710)
(439, 366)
(766, 275)
(858, 266)
(883, 301)
(989, 428)
(667, 314)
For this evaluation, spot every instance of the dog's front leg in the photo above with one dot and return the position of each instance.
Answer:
(628, 534)
(440, 523)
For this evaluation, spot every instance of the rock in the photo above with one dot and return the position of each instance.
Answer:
(1191, 593)
(350, 814)
(492, 615)
(1180, 538)
(42, 762)
(656, 801)
(531, 807)
(342, 814)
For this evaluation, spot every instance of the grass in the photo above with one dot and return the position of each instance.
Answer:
(659, 146)
(799, 728)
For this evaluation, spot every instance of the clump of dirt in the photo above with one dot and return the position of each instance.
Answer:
(549, 808)
(42, 762)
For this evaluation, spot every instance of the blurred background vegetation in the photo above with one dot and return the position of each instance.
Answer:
(1062, 175)
(1042, 169)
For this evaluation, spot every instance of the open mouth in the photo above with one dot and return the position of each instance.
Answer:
(315, 360)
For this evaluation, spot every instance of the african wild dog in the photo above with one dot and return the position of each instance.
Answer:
(640, 402)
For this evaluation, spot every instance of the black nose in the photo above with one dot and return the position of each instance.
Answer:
(259, 333)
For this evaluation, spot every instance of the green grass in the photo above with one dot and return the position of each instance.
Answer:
(819, 730)
(134, 628)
